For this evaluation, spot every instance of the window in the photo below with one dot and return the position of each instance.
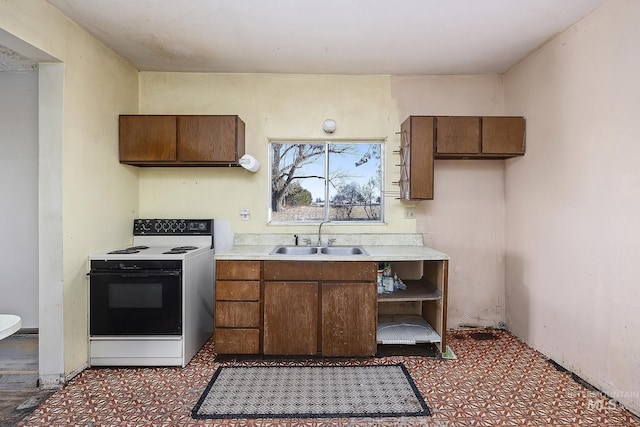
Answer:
(326, 180)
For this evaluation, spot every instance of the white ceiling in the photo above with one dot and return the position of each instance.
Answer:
(326, 36)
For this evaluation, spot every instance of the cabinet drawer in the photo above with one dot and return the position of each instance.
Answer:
(243, 290)
(292, 270)
(238, 314)
(320, 270)
(237, 341)
(239, 270)
(349, 270)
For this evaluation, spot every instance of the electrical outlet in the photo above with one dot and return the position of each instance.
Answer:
(410, 213)
(244, 214)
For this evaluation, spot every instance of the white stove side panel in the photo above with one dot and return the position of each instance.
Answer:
(198, 304)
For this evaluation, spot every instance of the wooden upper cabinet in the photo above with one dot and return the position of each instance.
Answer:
(210, 139)
(458, 135)
(147, 139)
(461, 137)
(416, 158)
(199, 140)
(503, 135)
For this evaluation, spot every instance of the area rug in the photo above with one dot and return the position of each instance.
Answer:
(311, 392)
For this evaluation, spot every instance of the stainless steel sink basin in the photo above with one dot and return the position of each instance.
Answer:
(343, 250)
(294, 250)
(322, 250)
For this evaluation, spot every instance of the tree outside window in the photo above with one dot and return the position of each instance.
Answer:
(318, 181)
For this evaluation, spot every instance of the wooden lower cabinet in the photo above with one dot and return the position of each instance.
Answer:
(238, 310)
(310, 308)
(326, 308)
(237, 341)
(291, 318)
(349, 313)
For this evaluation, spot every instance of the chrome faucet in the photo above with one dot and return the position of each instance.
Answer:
(320, 232)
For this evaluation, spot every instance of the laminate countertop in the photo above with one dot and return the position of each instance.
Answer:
(375, 253)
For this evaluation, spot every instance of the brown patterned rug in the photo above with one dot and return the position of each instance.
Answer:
(311, 392)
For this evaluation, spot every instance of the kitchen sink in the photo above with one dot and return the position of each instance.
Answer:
(319, 250)
(294, 250)
(343, 250)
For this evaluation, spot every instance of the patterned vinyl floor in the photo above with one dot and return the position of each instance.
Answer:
(493, 382)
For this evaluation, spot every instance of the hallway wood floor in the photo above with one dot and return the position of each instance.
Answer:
(19, 392)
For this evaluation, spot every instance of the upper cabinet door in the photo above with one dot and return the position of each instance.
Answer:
(458, 135)
(209, 138)
(147, 138)
(503, 135)
(416, 151)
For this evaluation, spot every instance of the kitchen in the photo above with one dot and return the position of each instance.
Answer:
(528, 235)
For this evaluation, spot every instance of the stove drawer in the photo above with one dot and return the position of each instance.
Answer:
(135, 352)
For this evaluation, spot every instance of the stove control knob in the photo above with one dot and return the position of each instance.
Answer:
(158, 227)
(182, 226)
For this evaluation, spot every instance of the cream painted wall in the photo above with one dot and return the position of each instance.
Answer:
(97, 192)
(572, 203)
(272, 106)
(466, 217)
(294, 106)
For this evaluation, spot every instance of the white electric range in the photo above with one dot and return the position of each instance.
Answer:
(151, 303)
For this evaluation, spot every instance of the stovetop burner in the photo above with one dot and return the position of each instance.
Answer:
(175, 251)
(131, 250)
(124, 251)
(184, 248)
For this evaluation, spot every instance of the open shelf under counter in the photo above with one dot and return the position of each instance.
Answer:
(416, 291)
(405, 329)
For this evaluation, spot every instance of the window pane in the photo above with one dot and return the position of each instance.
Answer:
(354, 182)
(298, 182)
(303, 174)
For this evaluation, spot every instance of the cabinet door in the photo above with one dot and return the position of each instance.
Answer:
(349, 313)
(416, 175)
(208, 139)
(503, 135)
(458, 135)
(291, 318)
(147, 138)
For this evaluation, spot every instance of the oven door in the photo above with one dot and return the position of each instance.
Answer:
(144, 302)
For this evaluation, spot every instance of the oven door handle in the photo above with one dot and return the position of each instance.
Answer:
(145, 273)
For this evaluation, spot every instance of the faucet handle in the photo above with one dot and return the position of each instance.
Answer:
(331, 242)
